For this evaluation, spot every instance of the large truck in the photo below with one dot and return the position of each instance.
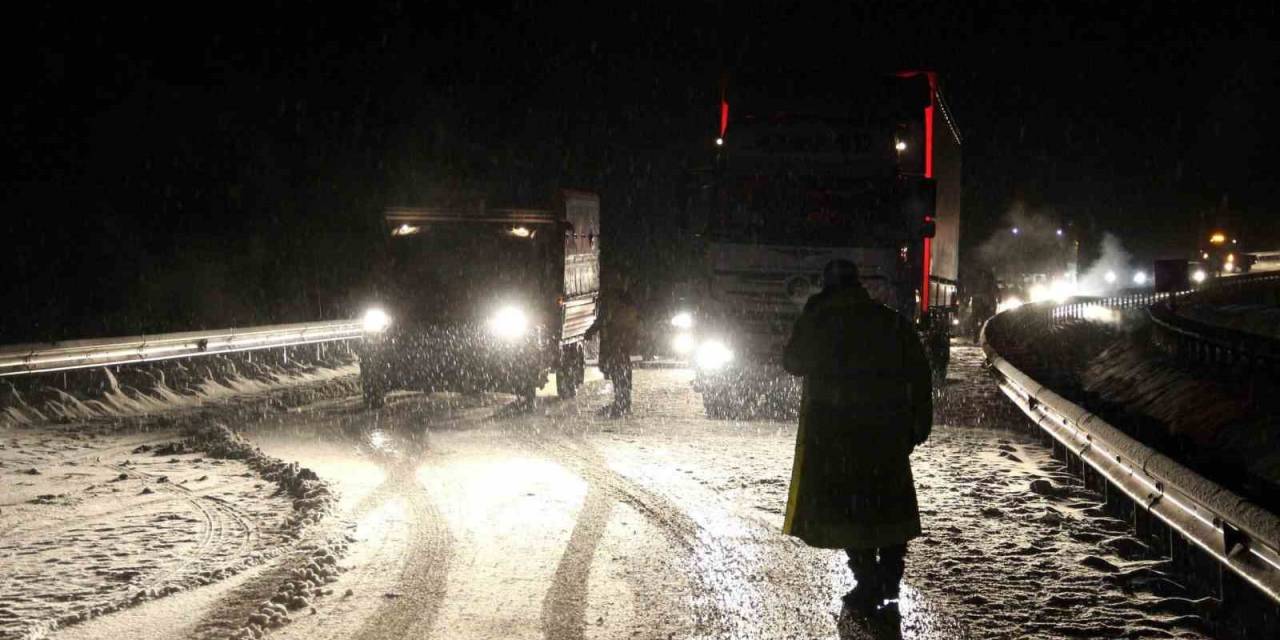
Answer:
(484, 299)
(874, 179)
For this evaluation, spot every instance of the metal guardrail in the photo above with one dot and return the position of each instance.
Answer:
(1242, 536)
(1206, 343)
(83, 354)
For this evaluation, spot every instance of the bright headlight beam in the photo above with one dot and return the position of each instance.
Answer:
(682, 344)
(1012, 302)
(682, 320)
(375, 320)
(1199, 275)
(712, 355)
(509, 322)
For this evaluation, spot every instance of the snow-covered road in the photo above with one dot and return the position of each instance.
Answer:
(469, 520)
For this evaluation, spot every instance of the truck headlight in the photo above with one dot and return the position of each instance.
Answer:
(682, 320)
(509, 323)
(375, 320)
(712, 355)
(683, 343)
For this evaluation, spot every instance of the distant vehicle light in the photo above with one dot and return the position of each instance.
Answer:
(1204, 256)
(1110, 277)
(682, 320)
(955, 322)
(1217, 238)
(1231, 257)
(683, 344)
(1229, 267)
(509, 323)
(1199, 275)
(405, 230)
(1140, 278)
(719, 142)
(712, 355)
(1008, 304)
(900, 146)
(1059, 232)
(375, 320)
(1061, 290)
(521, 232)
(1015, 231)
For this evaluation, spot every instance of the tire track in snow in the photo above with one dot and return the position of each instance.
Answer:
(712, 604)
(565, 605)
(424, 580)
(418, 590)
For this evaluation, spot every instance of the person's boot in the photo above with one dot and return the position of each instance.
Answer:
(867, 593)
(863, 598)
(890, 569)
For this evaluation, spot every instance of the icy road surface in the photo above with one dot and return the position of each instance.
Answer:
(471, 521)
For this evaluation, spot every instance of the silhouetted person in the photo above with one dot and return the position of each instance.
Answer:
(618, 323)
(867, 403)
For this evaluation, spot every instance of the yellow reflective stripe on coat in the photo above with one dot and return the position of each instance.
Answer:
(793, 494)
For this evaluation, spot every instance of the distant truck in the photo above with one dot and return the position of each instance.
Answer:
(1221, 254)
(873, 178)
(481, 299)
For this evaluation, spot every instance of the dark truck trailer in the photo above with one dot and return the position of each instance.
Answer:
(484, 299)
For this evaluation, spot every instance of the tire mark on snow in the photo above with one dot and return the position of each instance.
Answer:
(565, 605)
(420, 586)
(712, 604)
(424, 580)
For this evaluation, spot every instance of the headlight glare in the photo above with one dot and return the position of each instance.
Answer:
(683, 343)
(682, 320)
(712, 355)
(509, 323)
(375, 320)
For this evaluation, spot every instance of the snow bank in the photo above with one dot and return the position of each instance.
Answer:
(160, 515)
(146, 389)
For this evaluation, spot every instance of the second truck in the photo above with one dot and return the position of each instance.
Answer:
(873, 178)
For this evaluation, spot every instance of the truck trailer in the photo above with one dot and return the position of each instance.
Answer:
(874, 179)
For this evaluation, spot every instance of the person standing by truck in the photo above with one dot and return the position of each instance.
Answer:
(618, 324)
(867, 402)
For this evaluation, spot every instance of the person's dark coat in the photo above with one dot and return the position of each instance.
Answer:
(618, 324)
(867, 403)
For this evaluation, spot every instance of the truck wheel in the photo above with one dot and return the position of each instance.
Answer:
(571, 373)
(375, 391)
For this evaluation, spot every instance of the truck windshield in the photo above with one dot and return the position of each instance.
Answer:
(453, 263)
(808, 209)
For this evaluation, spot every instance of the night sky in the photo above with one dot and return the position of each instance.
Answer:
(220, 164)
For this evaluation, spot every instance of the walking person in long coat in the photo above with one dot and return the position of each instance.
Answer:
(867, 403)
